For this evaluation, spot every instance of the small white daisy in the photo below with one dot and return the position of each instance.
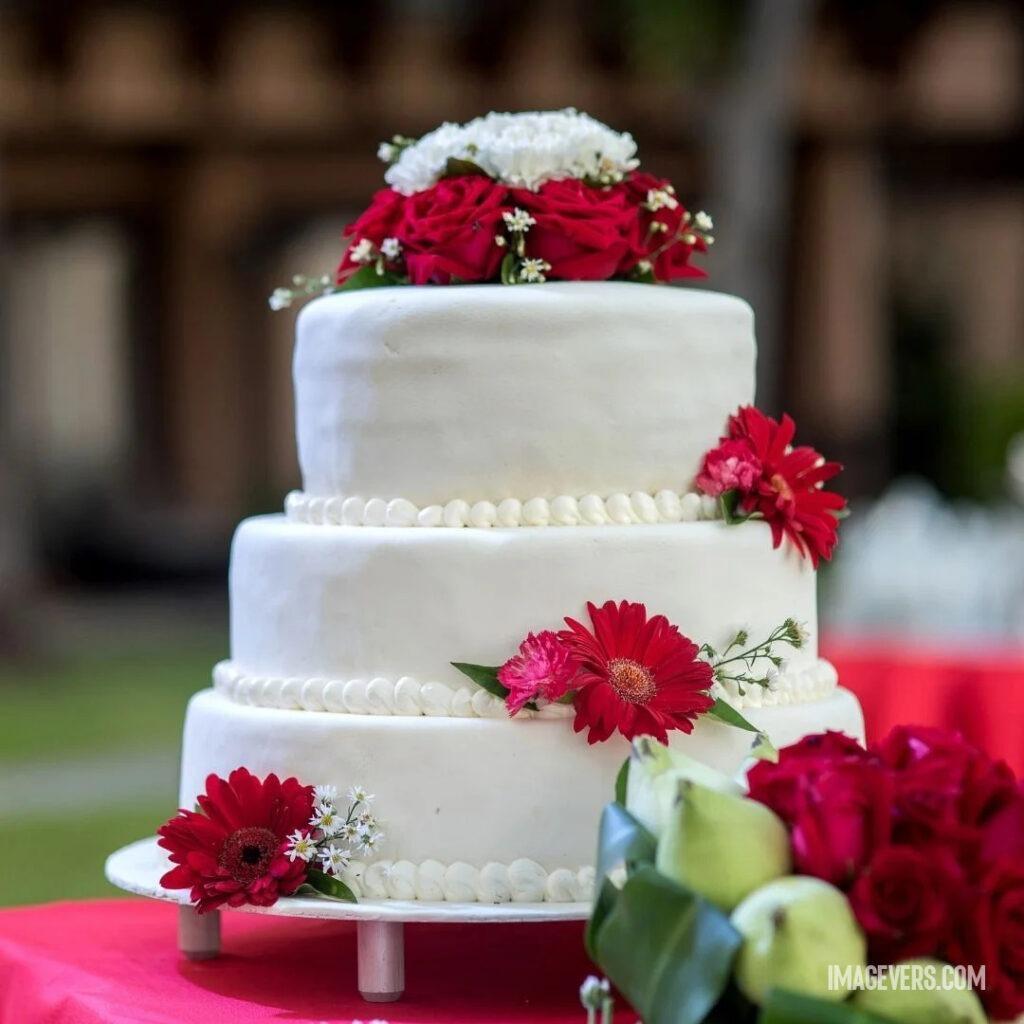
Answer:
(367, 821)
(518, 220)
(325, 794)
(391, 248)
(533, 270)
(333, 859)
(703, 221)
(281, 298)
(325, 818)
(369, 841)
(349, 831)
(358, 795)
(300, 847)
(364, 251)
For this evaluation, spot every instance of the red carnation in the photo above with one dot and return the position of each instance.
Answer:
(665, 238)
(586, 233)
(448, 231)
(638, 675)
(233, 852)
(904, 902)
(732, 466)
(788, 492)
(378, 221)
(544, 668)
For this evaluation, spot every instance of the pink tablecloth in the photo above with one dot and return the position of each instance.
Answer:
(115, 962)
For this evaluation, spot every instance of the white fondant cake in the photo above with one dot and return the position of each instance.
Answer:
(517, 411)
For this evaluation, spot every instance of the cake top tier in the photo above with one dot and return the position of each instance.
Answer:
(487, 392)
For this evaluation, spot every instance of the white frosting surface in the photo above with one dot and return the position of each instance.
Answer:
(352, 603)
(407, 697)
(486, 392)
(466, 791)
(634, 509)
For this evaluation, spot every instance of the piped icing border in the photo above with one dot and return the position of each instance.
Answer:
(410, 698)
(521, 881)
(618, 509)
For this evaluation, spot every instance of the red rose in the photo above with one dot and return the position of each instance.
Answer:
(662, 231)
(993, 937)
(1002, 834)
(448, 231)
(378, 221)
(731, 466)
(947, 789)
(585, 232)
(903, 901)
(835, 800)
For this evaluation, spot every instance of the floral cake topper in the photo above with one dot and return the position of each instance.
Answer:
(516, 199)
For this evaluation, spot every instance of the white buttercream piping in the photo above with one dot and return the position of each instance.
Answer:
(591, 510)
(408, 697)
(521, 881)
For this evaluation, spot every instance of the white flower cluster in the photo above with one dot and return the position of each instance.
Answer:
(522, 150)
(331, 836)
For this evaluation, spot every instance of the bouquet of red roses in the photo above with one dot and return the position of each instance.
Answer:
(925, 835)
(837, 866)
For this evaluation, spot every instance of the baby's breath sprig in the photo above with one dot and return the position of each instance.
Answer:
(302, 288)
(743, 672)
(388, 152)
(596, 997)
(517, 267)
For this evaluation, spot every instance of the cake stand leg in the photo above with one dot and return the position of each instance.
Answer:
(198, 934)
(381, 960)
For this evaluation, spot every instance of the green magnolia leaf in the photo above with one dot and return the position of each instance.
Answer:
(603, 903)
(508, 268)
(622, 838)
(367, 277)
(328, 885)
(484, 677)
(456, 168)
(621, 782)
(669, 952)
(789, 1008)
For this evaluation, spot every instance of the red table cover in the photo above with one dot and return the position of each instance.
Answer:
(978, 692)
(116, 962)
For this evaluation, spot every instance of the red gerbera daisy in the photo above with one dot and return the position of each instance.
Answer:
(789, 492)
(638, 675)
(234, 851)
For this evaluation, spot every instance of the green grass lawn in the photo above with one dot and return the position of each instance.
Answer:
(85, 710)
(96, 703)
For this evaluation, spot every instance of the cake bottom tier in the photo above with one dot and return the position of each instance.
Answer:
(472, 808)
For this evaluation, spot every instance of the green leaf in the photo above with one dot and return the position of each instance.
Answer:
(724, 712)
(508, 268)
(728, 503)
(456, 168)
(484, 677)
(621, 782)
(643, 276)
(328, 885)
(669, 952)
(622, 838)
(789, 1008)
(367, 277)
(603, 903)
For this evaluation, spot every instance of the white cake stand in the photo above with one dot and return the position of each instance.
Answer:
(379, 934)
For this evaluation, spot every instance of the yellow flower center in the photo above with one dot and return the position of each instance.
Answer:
(631, 681)
(782, 487)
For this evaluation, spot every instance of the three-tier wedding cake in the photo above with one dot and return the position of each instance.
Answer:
(521, 427)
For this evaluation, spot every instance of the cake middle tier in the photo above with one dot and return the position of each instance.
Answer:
(359, 602)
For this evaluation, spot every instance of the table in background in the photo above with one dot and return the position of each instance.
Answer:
(980, 693)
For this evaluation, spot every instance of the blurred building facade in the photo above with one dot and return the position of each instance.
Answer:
(163, 166)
